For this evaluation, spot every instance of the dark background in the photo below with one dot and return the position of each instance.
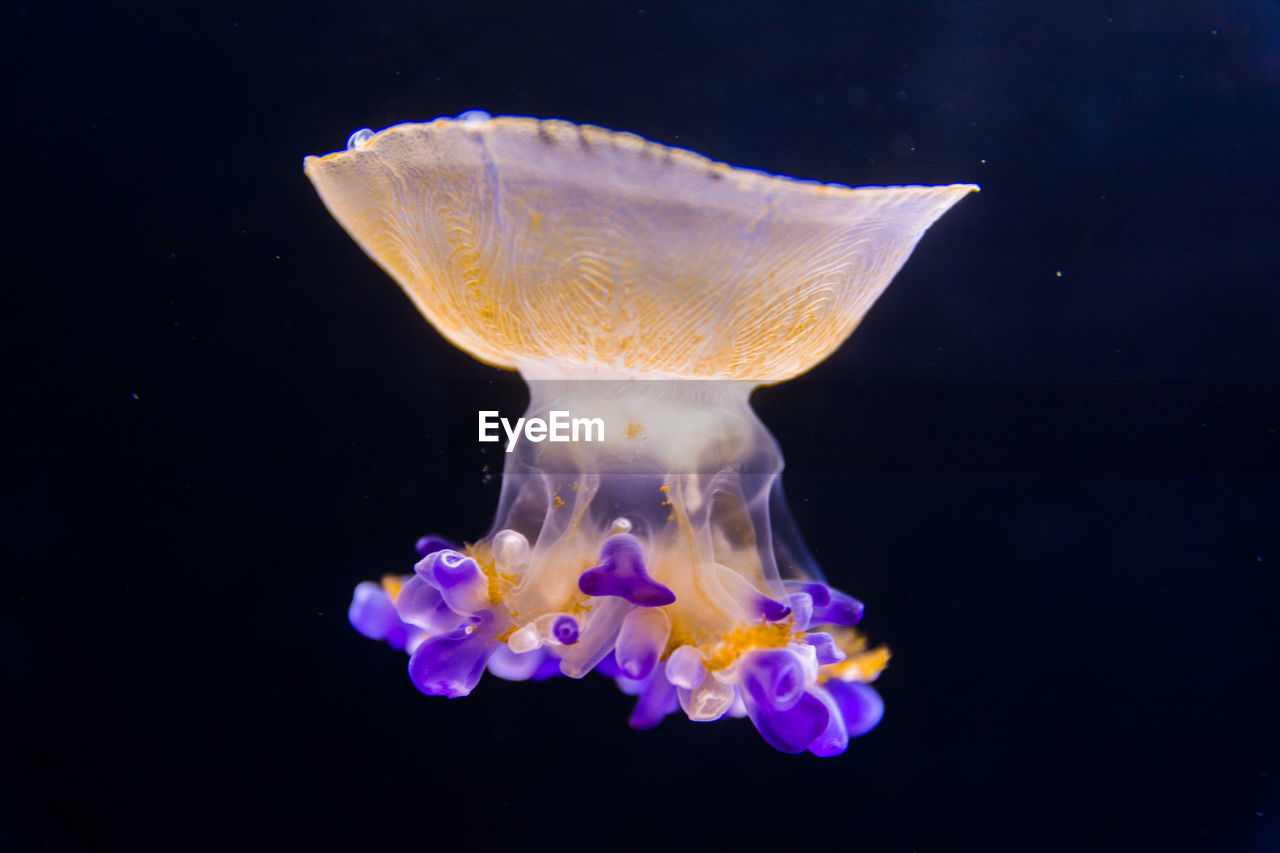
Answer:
(1048, 460)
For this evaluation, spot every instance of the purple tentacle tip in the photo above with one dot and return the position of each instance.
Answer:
(372, 613)
(825, 644)
(565, 630)
(420, 604)
(451, 664)
(656, 700)
(608, 666)
(841, 610)
(830, 606)
(792, 729)
(430, 544)
(819, 592)
(802, 607)
(548, 669)
(773, 678)
(771, 610)
(834, 740)
(622, 573)
(860, 705)
(461, 582)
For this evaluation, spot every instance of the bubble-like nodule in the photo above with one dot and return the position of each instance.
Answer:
(359, 139)
(618, 276)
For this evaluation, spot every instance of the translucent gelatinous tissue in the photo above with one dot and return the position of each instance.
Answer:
(653, 289)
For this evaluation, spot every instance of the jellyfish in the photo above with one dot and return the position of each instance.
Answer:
(651, 289)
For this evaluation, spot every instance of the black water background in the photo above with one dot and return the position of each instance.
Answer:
(222, 415)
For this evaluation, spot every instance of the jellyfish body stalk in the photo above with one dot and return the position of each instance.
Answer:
(661, 552)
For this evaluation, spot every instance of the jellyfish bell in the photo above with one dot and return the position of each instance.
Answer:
(570, 251)
(651, 289)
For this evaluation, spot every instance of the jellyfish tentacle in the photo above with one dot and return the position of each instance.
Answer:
(825, 646)
(792, 729)
(860, 705)
(801, 609)
(622, 573)
(558, 629)
(829, 606)
(372, 612)
(641, 640)
(756, 602)
(685, 668)
(431, 543)
(834, 739)
(461, 582)
(707, 702)
(451, 664)
(510, 665)
(656, 700)
(420, 604)
(597, 638)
